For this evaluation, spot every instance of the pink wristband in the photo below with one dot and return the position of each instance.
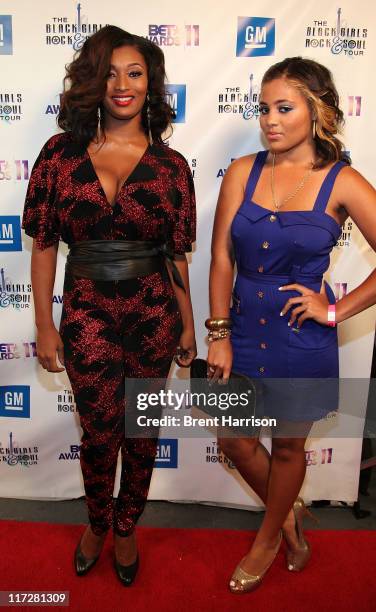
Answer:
(332, 315)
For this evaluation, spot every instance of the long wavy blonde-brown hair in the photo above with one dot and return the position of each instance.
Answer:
(315, 83)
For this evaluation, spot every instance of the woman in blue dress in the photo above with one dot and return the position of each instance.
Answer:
(278, 217)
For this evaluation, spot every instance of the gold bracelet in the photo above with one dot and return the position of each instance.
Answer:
(219, 334)
(218, 323)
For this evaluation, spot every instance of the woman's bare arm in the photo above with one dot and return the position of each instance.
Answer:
(49, 343)
(222, 263)
(359, 200)
(187, 340)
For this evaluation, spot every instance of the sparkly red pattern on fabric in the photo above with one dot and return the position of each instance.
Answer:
(113, 330)
(65, 199)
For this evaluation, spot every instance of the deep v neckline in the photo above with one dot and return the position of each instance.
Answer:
(124, 182)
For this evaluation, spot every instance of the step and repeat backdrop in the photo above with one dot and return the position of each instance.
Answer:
(216, 55)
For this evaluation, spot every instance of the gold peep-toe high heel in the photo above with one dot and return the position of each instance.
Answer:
(249, 582)
(298, 558)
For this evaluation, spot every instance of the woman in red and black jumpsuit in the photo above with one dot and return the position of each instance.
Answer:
(114, 326)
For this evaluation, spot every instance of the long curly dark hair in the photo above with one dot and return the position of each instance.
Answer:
(316, 84)
(86, 81)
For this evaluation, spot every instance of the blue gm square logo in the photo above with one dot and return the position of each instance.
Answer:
(167, 453)
(15, 402)
(6, 43)
(10, 234)
(176, 97)
(256, 36)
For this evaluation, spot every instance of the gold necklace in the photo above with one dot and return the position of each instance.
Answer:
(293, 194)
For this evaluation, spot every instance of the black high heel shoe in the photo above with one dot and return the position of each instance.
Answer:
(126, 573)
(82, 564)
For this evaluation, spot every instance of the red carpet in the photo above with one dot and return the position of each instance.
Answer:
(188, 570)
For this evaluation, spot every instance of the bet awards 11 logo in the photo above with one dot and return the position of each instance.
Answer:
(222, 171)
(54, 108)
(174, 36)
(340, 290)
(354, 106)
(16, 170)
(315, 457)
(73, 453)
(11, 350)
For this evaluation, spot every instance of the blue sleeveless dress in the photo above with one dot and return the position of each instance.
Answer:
(274, 249)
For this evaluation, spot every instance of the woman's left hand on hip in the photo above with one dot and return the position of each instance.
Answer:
(308, 305)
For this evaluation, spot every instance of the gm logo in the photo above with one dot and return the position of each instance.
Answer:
(167, 453)
(6, 44)
(10, 234)
(256, 36)
(15, 401)
(176, 97)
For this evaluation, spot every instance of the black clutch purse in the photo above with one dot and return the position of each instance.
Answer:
(235, 403)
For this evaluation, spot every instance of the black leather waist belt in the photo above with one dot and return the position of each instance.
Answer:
(114, 260)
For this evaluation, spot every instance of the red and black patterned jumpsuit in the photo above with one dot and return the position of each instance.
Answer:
(113, 330)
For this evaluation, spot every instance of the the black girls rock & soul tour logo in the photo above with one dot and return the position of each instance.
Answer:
(339, 38)
(64, 31)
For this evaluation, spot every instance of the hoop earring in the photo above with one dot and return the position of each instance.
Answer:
(148, 116)
(314, 129)
(99, 127)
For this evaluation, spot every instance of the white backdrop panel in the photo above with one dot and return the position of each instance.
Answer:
(38, 453)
